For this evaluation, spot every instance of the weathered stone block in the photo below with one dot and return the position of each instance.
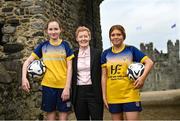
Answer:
(26, 4)
(13, 48)
(37, 26)
(36, 10)
(7, 29)
(10, 9)
(5, 77)
(38, 34)
(13, 22)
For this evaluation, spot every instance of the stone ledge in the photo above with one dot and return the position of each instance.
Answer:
(169, 97)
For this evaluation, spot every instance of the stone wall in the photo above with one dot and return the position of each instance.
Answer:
(161, 105)
(165, 74)
(158, 105)
(74, 13)
(21, 29)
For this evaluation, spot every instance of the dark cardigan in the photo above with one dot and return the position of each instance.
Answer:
(95, 65)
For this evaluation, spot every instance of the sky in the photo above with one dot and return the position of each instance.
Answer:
(144, 21)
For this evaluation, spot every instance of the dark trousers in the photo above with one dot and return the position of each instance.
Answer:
(86, 106)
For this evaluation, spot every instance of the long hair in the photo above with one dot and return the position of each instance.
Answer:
(52, 20)
(118, 27)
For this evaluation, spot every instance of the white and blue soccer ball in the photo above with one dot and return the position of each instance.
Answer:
(36, 69)
(135, 70)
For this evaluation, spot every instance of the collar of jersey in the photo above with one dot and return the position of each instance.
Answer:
(123, 46)
(55, 44)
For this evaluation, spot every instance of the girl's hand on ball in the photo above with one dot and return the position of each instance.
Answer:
(139, 83)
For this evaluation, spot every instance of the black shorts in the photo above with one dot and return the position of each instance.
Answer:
(125, 107)
(52, 101)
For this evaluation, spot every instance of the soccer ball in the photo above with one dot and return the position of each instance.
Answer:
(135, 70)
(36, 69)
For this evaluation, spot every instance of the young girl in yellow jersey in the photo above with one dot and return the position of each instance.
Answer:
(120, 95)
(57, 56)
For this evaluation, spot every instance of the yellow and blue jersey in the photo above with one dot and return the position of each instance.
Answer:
(119, 88)
(55, 58)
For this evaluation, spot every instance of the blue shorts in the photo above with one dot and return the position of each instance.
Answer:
(51, 100)
(125, 107)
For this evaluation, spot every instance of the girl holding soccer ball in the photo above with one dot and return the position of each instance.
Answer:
(120, 95)
(57, 57)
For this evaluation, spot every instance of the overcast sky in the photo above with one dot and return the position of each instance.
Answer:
(144, 21)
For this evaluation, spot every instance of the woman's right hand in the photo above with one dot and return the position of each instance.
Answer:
(25, 85)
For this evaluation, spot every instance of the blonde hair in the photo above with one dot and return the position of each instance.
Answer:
(81, 29)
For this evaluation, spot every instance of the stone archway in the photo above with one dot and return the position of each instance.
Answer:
(22, 22)
(90, 17)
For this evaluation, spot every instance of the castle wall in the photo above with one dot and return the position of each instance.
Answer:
(165, 74)
(21, 29)
(157, 105)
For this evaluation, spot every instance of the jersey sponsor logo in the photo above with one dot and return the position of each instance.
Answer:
(115, 69)
(117, 72)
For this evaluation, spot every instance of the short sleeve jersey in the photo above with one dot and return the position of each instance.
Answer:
(55, 58)
(119, 88)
